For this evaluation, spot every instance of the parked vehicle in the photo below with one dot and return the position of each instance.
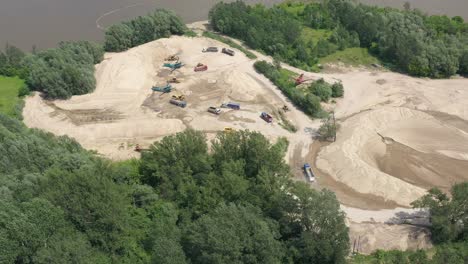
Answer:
(228, 52)
(228, 129)
(178, 103)
(164, 89)
(231, 105)
(200, 67)
(214, 110)
(210, 49)
(308, 171)
(265, 116)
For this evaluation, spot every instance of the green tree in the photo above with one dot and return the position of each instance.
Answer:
(233, 234)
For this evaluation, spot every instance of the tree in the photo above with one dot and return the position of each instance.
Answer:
(449, 217)
(233, 234)
(328, 128)
(337, 89)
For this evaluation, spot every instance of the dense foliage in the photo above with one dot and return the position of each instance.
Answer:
(64, 71)
(449, 216)
(434, 46)
(10, 62)
(307, 99)
(159, 24)
(180, 204)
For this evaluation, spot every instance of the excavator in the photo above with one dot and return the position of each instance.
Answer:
(173, 66)
(164, 89)
(178, 96)
(300, 80)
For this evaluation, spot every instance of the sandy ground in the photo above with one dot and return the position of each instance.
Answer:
(399, 135)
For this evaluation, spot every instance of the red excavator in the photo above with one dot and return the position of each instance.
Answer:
(300, 80)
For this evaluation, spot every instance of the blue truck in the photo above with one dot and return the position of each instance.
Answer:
(232, 105)
(309, 173)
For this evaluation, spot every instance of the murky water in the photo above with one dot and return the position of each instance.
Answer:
(45, 22)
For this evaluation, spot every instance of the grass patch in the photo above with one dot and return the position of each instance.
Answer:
(351, 56)
(9, 95)
(229, 42)
(314, 34)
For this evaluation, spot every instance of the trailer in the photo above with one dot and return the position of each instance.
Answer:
(265, 116)
(210, 49)
(182, 104)
(164, 89)
(309, 173)
(228, 52)
(231, 105)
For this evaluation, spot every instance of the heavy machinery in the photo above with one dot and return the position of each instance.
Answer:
(214, 110)
(200, 67)
(164, 89)
(265, 116)
(178, 96)
(300, 80)
(228, 52)
(228, 129)
(231, 105)
(173, 80)
(138, 148)
(210, 49)
(172, 58)
(173, 66)
(182, 104)
(308, 171)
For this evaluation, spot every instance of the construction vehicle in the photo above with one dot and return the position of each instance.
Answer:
(172, 58)
(308, 171)
(265, 116)
(300, 80)
(173, 66)
(231, 105)
(214, 110)
(228, 129)
(178, 96)
(200, 67)
(182, 104)
(228, 52)
(173, 80)
(164, 89)
(210, 49)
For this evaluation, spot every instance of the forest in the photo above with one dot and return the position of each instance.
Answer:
(183, 202)
(406, 40)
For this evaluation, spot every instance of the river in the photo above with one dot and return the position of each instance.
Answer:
(43, 23)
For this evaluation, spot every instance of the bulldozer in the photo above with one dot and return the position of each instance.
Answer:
(173, 80)
(172, 58)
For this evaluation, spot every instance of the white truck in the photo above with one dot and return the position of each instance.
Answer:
(308, 171)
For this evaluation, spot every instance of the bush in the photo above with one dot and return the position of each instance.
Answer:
(159, 24)
(337, 90)
(321, 89)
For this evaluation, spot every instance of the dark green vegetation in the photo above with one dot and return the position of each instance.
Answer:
(434, 46)
(10, 62)
(64, 71)
(10, 90)
(307, 99)
(179, 204)
(229, 42)
(159, 24)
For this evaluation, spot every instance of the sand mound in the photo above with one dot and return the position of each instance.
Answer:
(365, 157)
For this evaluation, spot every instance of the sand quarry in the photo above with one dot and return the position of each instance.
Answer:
(398, 136)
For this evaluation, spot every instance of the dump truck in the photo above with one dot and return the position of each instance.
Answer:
(178, 103)
(214, 110)
(173, 66)
(210, 49)
(265, 116)
(164, 89)
(308, 172)
(200, 67)
(231, 105)
(228, 52)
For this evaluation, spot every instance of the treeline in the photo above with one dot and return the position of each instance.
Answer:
(64, 71)
(184, 202)
(11, 62)
(421, 45)
(307, 99)
(159, 24)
